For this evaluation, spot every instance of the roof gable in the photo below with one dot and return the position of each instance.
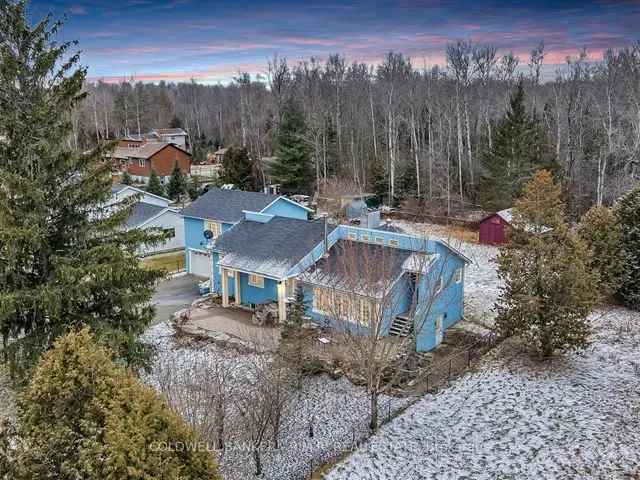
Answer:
(227, 205)
(272, 248)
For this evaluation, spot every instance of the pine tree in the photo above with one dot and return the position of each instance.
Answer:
(520, 147)
(292, 167)
(549, 288)
(601, 232)
(63, 262)
(177, 184)
(154, 186)
(627, 212)
(296, 314)
(127, 179)
(237, 168)
(84, 417)
(193, 188)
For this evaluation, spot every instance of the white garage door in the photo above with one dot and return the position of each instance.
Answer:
(199, 264)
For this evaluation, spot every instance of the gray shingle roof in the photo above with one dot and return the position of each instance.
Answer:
(142, 212)
(365, 268)
(227, 205)
(271, 248)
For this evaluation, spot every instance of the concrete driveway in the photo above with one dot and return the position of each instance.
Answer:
(174, 294)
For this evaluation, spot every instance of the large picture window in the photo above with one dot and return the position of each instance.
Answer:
(256, 281)
(344, 306)
(215, 227)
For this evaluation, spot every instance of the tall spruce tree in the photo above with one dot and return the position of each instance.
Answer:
(549, 285)
(292, 167)
(520, 147)
(628, 216)
(154, 185)
(237, 168)
(177, 183)
(63, 261)
(126, 179)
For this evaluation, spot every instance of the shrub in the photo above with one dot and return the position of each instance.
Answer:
(85, 417)
(628, 215)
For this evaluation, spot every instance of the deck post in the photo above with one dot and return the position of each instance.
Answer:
(282, 306)
(225, 287)
(237, 288)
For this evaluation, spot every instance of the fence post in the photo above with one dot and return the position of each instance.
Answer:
(427, 383)
(468, 358)
(449, 374)
(389, 411)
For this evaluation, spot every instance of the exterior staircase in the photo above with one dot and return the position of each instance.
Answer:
(402, 326)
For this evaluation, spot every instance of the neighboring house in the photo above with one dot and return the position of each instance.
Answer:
(219, 155)
(151, 211)
(218, 210)
(175, 136)
(159, 156)
(120, 191)
(261, 258)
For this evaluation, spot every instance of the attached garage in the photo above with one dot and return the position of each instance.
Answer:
(199, 263)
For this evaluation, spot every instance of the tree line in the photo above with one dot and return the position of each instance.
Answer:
(403, 130)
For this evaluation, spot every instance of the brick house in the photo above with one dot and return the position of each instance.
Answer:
(140, 159)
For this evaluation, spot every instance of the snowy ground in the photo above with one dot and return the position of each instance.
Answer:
(339, 411)
(577, 417)
(482, 286)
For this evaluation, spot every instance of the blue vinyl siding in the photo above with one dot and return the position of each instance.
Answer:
(284, 208)
(194, 236)
(255, 295)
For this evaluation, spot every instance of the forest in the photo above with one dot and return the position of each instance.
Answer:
(441, 135)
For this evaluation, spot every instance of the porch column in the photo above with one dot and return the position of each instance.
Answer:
(282, 306)
(225, 287)
(237, 287)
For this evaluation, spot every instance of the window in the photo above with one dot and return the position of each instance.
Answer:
(220, 257)
(439, 286)
(343, 306)
(380, 240)
(171, 232)
(141, 162)
(256, 281)
(365, 238)
(352, 236)
(458, 275)
(394, 243)
(215, 227)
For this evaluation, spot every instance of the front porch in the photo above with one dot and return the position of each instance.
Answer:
(249, 290)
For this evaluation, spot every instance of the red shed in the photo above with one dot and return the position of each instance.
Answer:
(494, 228)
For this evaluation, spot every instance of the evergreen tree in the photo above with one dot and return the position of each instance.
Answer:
(193, 187)
(237, 168)
(177, 184)
(601, 232)
(380, 181)
(154, 186)
(520, 147)
(292, 167)
(84, 417)
(549, 288)
(628, 215)
(127, 179)
(296, 314)
(63, 262)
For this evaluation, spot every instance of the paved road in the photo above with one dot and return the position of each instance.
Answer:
(174, 294)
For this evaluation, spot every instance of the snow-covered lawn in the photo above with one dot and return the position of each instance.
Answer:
(576, 417)
(338, 408)
(482, 286)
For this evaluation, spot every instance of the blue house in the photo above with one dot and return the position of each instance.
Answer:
(218, 210)
(348, 274)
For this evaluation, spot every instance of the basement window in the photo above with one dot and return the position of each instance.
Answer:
(458, 277)
(394, 243)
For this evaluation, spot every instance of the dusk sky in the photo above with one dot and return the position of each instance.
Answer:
(211, 41)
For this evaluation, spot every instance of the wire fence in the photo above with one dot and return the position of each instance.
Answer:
(437, 376)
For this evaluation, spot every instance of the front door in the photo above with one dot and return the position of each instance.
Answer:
(439, 329)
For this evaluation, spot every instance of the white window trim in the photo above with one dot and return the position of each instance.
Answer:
(459, 275)
(215, 227)
(256, 281)
(141, 162)
(440, 286)
(394, 243)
